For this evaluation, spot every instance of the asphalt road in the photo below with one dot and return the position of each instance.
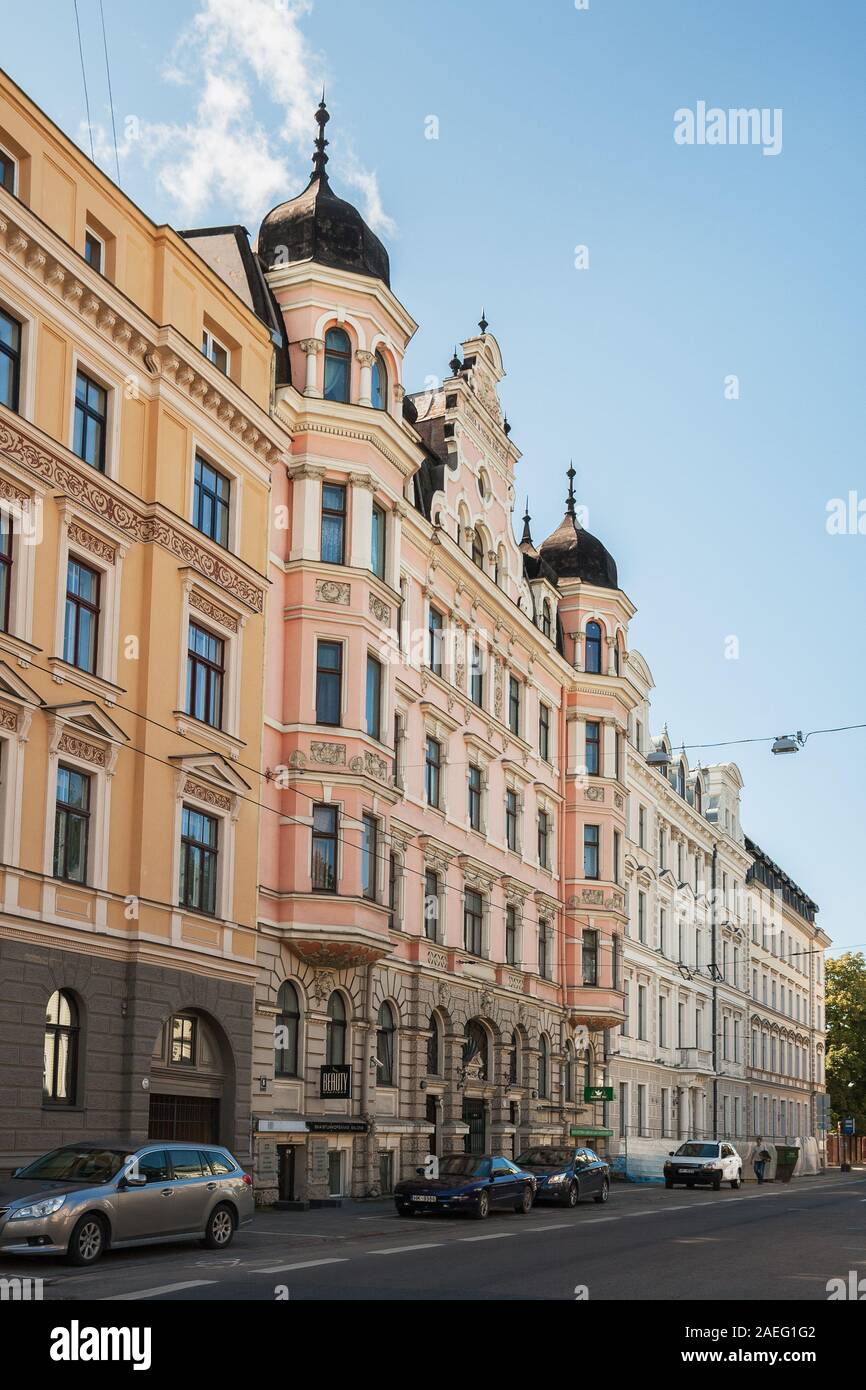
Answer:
(774, 1242)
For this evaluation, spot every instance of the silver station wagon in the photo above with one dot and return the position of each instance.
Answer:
(82, 1199)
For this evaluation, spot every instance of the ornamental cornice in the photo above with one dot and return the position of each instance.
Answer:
(308, 425)
(92, 490)
(145, 344)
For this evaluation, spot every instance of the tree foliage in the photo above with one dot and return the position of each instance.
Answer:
(846, 1037)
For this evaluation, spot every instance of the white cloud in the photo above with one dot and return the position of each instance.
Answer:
(248, 141)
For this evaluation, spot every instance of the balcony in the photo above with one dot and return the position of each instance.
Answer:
(332, 931)
(595, 1006)
(698, 1059)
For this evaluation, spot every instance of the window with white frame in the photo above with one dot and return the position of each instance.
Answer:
(215, 351)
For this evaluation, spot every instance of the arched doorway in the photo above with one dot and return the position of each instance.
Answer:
(192, 1081)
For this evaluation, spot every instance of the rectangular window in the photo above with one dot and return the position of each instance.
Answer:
(473, 917)
(641, 1011)
(431, 905)
(544, 839)
(663, 931)
(476, 676)
(71, 825)
(182, 1054)
(323, 868)
(641, 827)
(661, 847)
(544, 732)
(511, 819)
(545, 950)
(511, 934)
(514, 704)
(211, 501)
(369, 856)
(91, 412)
(641, 917)
(617, 855)
(374, 698)
(663, 1021)
(6, 535)
(681, 1025)
(215, 352)
(329, 682)
(434, 646)
(593, 747)
(198, 860)
(626, 1008)
(590, 851)
(94, 251)
(377, 546)
(474, 783)
(641, 1110)
(7, 172)
(10, 359)
(433, 772)
(589, 949)
(333, 524)
(617, 757)
(81, 623)
(205, 672)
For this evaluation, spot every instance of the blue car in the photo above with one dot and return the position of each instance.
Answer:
(564, 1174)
(470, 1183)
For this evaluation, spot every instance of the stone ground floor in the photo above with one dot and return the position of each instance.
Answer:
(96, 1046)
(360, 1072)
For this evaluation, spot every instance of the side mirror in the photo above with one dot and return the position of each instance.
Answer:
(133, 1180)
(422, 1172)
(670, 1153)
(16, 1171)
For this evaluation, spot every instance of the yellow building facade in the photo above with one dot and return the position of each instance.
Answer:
(136, 449)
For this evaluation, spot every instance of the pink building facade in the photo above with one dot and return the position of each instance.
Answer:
(441, 906)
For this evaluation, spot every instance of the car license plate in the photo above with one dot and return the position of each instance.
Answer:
(419, 1198)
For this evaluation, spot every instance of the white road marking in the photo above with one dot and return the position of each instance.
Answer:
(154, 1293)
(597, 1220)
(399, 1249)
(500, 1235)
(305, 1264)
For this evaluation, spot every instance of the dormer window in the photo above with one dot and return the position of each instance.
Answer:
(477, 551)
(545, 618)
(379, 384)
(215, 351)
(593, 648)
(337, 365)
(7, 171)
(681, 779)
(698, 798)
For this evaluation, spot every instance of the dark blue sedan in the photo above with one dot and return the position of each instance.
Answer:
(564, 1174)
(471, 1183)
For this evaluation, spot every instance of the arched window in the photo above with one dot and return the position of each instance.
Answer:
(698, 796)
(335, 1034)
(514, 1060)
(286, 1031)
(477, 549)
(338, 361)
(681, 779)
(475, 1050)
(545, 618)
(593, 648)
(60, 1056)
(569, 1073)
(433, 1047)
(616, 658)
(385, 1030)
(543, 1069)
(379, 384)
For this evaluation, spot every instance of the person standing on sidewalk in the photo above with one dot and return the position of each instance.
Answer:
(759, 1160)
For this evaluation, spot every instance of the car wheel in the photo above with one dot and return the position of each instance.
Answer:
(572, 1196)
(220, 1229)
(717, 1184)
(736, 1182)
(669, 1182)
(524, 1206)
(87, 1242)
(482, 1207)
(603, 1195)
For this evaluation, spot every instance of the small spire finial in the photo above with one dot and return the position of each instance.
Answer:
(455, 364)
(526, 538)
(482, 322)
(570, 499)
(320, 159)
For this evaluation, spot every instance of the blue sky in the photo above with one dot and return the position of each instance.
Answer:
(556, 130)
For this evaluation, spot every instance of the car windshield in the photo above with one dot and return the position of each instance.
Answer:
(462, 1166)
(546, 1158)
(75, 1165)
(698, 1151)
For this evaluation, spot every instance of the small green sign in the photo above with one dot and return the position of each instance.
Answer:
(591, 1093)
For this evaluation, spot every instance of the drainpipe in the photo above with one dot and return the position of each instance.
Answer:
(369, 1182)
(715, 1015)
